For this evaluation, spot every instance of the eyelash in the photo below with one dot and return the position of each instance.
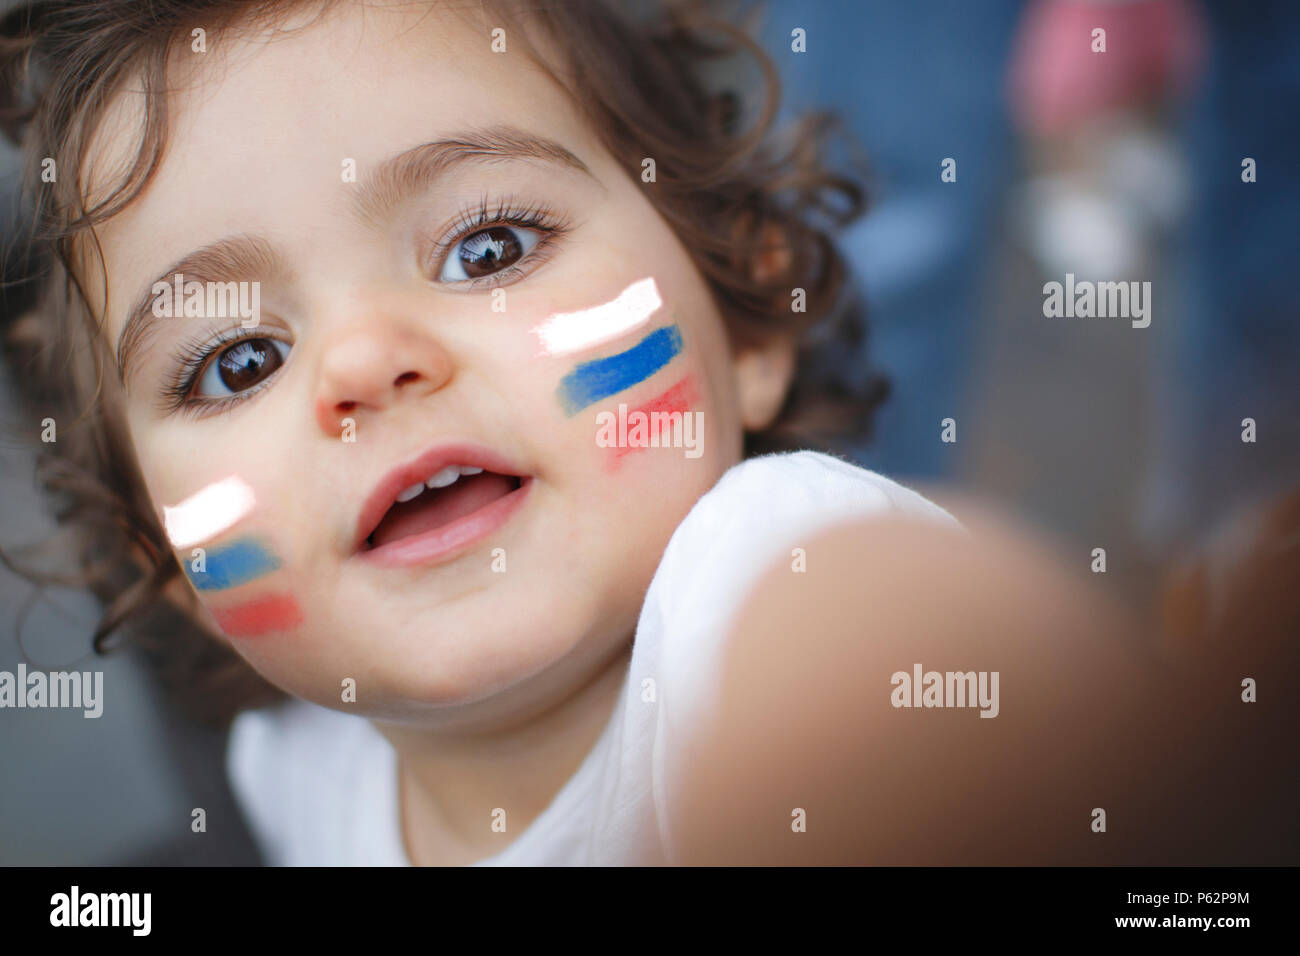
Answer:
(472, 219)
(192, 357)
(191, 360)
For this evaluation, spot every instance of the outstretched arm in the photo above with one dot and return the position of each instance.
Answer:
(1088, 718)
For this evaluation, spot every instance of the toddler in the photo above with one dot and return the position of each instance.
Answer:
(443, 364)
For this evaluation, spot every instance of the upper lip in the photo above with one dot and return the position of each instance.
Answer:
(418, 469)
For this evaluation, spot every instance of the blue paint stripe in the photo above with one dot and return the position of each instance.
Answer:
(235, 564)
(603, 377)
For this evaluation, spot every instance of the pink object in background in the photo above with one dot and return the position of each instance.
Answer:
(1154, 49)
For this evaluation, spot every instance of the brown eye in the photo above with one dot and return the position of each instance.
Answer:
(487, 251)
(241, 366)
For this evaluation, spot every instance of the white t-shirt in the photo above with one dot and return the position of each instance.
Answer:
(319, 787)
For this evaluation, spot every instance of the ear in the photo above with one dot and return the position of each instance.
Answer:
(763, 375)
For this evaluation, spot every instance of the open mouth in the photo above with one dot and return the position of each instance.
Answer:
(453, 493)
(437, 504)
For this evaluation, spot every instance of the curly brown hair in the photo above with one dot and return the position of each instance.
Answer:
(726, 191)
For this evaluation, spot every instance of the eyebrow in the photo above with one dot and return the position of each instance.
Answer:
(393, 181)
(411, 172)
(219, 261)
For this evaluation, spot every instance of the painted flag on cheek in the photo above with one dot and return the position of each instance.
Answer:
(600, 378)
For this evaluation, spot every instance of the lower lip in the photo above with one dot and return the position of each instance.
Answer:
(451, 539)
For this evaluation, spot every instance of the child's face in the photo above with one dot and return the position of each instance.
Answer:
(370, 317)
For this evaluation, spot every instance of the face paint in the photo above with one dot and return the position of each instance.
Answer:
(232, 565)
(655, 417)
(273, 612)
(567, 332)
(209, 512)
(600, 378)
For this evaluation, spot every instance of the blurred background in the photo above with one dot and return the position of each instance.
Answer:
(1128, 164)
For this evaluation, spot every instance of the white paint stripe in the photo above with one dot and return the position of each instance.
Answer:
(567, 332)
(209, 512)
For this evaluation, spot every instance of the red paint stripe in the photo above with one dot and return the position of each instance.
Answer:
(275, 612)
(679, 398)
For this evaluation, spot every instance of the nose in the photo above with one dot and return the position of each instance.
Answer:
(370, 366)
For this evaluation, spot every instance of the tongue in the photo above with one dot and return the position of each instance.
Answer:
(437, 507)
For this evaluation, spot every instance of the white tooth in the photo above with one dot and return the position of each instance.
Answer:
(406, 494)
(444, 478)
(469, 470)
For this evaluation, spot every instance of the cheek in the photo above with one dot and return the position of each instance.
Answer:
(597, 379)
(640, 397)
(209, 512)
(276, 612)
(223, 567)
(245, 586)
(235, 569)
(668, 420)
(574, 358)
(629, 376)
(569, 333)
